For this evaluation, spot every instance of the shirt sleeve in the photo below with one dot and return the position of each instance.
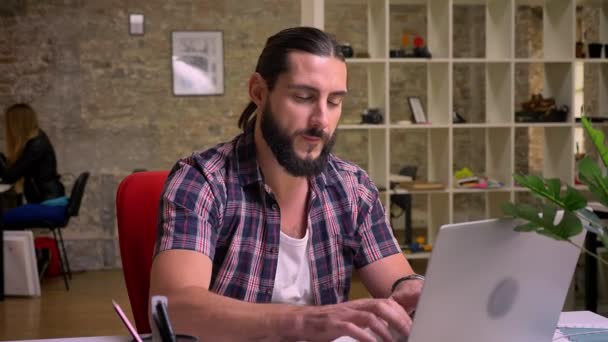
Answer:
(377, 239)
(32, 152)
(188, 213)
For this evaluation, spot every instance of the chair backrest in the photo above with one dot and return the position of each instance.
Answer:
(137, 204)
(77, 193)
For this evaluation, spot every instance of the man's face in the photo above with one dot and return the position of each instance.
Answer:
(301, 114)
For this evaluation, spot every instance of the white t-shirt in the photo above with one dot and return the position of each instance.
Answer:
(292, 280)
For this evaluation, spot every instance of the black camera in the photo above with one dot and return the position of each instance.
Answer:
(347, 50)
(372, 116)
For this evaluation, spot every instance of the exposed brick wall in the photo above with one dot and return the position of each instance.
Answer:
(104, 97)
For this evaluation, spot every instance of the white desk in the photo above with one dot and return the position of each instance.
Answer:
(566, 319)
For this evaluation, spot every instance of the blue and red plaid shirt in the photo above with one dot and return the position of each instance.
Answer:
(216, 203)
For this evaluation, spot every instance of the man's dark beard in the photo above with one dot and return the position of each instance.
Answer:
(282, 147)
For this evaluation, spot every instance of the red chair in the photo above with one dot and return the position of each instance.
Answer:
(137, 203)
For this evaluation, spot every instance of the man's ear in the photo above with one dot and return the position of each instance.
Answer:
(258, 90)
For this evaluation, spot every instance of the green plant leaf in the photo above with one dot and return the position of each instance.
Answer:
(548, 216)
(591, 175)
(597, 137)
(573, 200)
(509, 209)
(569, 226)
(589, 171)
(550, 234)
(550, 189)
(554, 186)
(527, 227)
(531, 182)
(525, 211)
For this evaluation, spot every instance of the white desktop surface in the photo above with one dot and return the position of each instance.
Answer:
(566, 319)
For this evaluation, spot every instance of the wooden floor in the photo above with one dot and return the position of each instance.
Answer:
(85, 310)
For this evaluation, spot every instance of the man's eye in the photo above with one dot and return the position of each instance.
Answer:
(335, 102)
(303, 98)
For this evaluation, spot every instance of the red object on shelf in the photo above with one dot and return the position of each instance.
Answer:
(418, 42)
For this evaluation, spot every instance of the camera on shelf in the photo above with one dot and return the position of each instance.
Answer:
(372, 116)
(347, 50)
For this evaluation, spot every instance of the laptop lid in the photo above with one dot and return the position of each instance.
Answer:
(487, 282)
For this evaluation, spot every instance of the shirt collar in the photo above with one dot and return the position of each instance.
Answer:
(247, 163)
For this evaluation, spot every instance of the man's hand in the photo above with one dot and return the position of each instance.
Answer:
(325, 323)
(407, 294)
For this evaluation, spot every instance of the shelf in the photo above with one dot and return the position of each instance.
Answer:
(418, 60)
(365, 60)
(544, 124)
(417, 126)
(476, 72)
(361, 127)
(481, 125)
(544, 60)
(469, 190)
(594, 124)
(416, 192)
(480, 60)
(592, 60)
(416, 256)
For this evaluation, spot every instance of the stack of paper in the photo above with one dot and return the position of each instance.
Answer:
(581, 326)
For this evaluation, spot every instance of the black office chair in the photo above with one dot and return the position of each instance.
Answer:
(53, 218)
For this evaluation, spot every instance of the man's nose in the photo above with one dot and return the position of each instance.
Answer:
(319, 118)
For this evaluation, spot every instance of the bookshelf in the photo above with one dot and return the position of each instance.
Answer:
(502, 76)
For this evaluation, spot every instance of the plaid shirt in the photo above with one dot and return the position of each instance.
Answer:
(217, 203)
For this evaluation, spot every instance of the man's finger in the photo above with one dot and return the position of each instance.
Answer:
(394, 315)
(350, 329)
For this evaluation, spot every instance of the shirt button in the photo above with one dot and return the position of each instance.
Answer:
(268, 291)
(274, 250)
(274, 206)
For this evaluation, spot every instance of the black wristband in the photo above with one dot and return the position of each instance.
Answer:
(412, 276)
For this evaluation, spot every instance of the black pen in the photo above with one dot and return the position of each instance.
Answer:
(163, 323)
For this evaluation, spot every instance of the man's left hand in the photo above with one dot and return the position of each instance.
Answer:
(407, 294)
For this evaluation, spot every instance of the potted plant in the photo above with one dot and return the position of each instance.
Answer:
(576, 215)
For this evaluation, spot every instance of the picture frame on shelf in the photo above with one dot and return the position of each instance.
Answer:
(417, 110)
(197, 63)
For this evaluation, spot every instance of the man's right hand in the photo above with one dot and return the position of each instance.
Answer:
(325, 323)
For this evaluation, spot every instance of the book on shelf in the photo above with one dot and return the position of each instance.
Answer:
(467, 181)
(421, 185)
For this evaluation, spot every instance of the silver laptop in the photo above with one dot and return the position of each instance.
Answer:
(486, 282)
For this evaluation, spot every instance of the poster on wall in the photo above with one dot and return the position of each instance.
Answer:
(197, 63)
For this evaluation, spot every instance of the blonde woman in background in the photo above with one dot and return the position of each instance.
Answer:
(30, 158)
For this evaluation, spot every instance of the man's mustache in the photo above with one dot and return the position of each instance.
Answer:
(313, 132)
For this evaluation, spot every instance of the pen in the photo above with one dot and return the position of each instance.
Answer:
(126, 321)
(161, 318)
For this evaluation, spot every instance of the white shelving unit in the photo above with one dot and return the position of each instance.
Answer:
(499, 65)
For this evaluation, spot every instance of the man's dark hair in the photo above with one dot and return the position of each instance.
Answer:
(274, 58)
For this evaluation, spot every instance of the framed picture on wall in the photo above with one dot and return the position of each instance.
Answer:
(417, 111)
(197, 63)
